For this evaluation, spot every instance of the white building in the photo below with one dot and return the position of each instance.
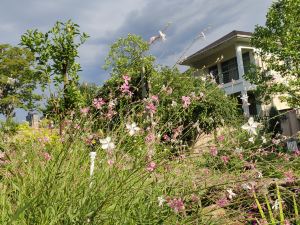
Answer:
(228, 59)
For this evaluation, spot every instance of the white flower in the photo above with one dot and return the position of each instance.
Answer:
(112, 103)
(196, 124)
(161, 201)
(264, 140)
(238, 150)
(251, 126)
(259, 174)
(231, 194)
(246, 187)
(275, 141)
(107, 144)
(162, 35)
(11, 81)
(132, 128)
(251, 140)
(193, 94)
(276, 205)
(244, 97)
(174, 103)
(92, 156)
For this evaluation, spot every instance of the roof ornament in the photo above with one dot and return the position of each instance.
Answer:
(161, 35)
(201, 36)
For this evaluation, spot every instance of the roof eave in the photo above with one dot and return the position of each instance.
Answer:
(189, 60)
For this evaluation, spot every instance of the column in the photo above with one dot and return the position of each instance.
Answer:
(220, 74)
(239, 59)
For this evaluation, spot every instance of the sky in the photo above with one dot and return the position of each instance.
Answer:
(107, 20)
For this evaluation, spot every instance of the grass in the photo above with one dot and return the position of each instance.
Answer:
(36, 190)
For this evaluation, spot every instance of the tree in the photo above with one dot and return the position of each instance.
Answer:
(278, 44)
(128, 55)
(87, 92)
(56, 52)
(17, 80)
(148, 94)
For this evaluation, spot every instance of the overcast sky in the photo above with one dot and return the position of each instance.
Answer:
(107, 20)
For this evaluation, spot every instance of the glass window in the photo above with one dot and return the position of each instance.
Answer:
(230, 70)
(246, 62)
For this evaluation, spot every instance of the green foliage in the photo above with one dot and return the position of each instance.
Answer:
(56, 52)
(128, 57)
(278, 208)
(210, 108)
(8, 127)
(17, 80)
(88, 92)
(278, 43)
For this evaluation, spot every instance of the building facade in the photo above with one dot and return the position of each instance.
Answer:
(227, 60)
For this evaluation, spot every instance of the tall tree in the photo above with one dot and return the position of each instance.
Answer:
(56, 52)
(279, 47)
(17, 80)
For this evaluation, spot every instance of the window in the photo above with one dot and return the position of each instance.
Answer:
(230, 70)
(214, 72)
(246, 62)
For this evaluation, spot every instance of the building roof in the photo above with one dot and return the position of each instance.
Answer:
(227, 37)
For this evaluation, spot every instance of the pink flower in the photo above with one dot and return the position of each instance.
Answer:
(213, 151)
(77, 126)
(177, 131)
(150, 137)
(151, 166)
(221, 138)
(176, 204)
(186, 101)
(2, 155)
(154, 98)
(46, 139)
(195, 198)
(151, 107)
(110, 162)
(98, 103)
(166, 137)
(225, 159)
(110, 113)
(287, 222)
(126, 79)
(47, 156)
(297, 153)
(289, 176)
(85, 111)
(222, 202)
(125, 89)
